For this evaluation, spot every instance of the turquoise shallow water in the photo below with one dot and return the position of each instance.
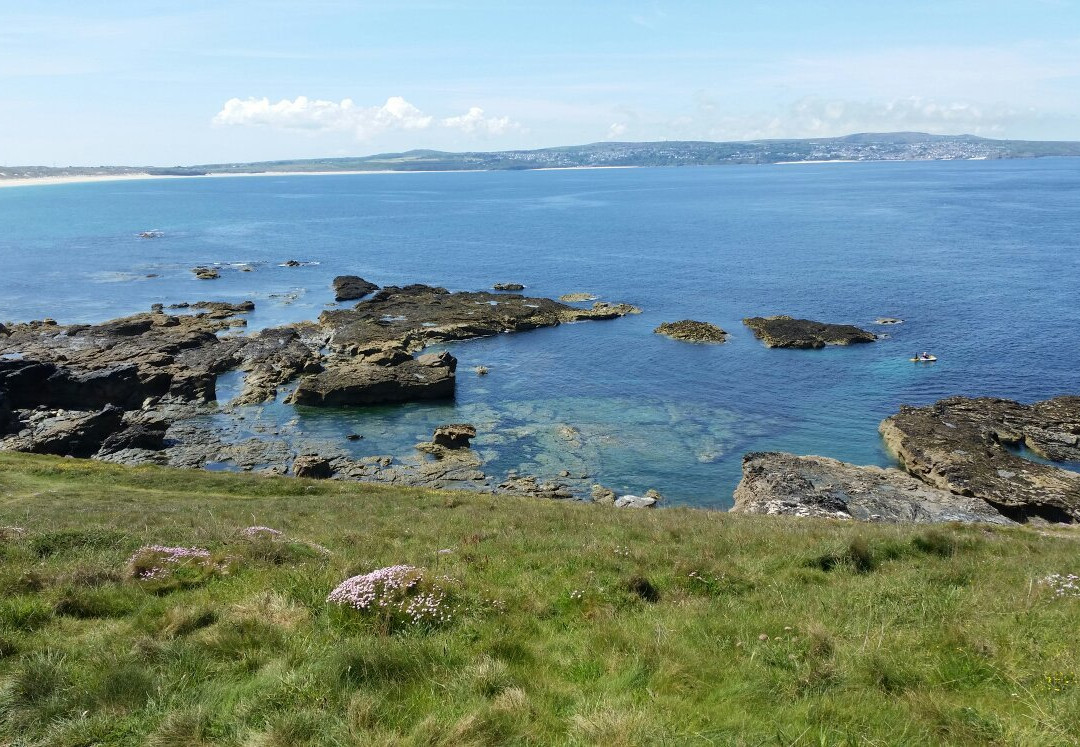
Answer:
(982, 260)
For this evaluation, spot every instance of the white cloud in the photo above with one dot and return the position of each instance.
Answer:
(474, 121)
(317, 115)
(616, 130)
(713, 119)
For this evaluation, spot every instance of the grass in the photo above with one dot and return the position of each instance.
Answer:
(572, 624)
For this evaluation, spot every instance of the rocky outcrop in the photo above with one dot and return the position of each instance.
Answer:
(78, 434)
(61, 386)
(602, 495)
(689, 330)
(963, 445)
(352, 287)
(141, 436)
(532, 487)
(312, 466)
(636, 501)
(508, 287)
(415, 316)
(813, 486)
(788, 332)
(206, 273)
(577, 297)
(368, 382)
(454, 436)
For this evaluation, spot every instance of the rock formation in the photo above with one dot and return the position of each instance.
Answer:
(138, 389)
(508, 287)
(963, 445)
(370, 382)
(352, 287)
(777, 483)
(788, 332)
(689, 330)
(454, 436)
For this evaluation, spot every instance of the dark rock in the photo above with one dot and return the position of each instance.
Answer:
(360, 383)
(4, 331)
(291, 263)
(508, 287)
(962, 445)
(353, 437)
(785, 484)
(312, 466)
(144, 436)
(454, 436)
(689, 330)
(206, 273)
(351, 287)
(220, 309)
(787, 332)
(76, 434)
(416, 316)
(8, 421)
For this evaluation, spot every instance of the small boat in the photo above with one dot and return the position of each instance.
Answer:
(923, 359)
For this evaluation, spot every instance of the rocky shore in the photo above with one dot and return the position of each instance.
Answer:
(961, 462)
(144, 388)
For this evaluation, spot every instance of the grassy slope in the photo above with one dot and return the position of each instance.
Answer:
(910, 637)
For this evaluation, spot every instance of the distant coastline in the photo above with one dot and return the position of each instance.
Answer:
(866, 147)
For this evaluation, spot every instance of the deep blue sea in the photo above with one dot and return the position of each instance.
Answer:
(980, 258)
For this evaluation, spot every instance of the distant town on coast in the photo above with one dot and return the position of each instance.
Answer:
(896, 146)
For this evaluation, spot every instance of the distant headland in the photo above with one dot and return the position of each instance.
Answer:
(895, 146)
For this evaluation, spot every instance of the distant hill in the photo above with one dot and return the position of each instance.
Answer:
(894, 146)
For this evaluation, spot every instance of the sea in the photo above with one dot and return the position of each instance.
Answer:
(980, 259)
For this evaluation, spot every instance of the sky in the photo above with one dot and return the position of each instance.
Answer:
(150, 82)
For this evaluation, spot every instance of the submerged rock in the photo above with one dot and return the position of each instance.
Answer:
(962, 445)
(689, 330)
(788, 332)
(352, 287)
(888, 320)
(812, 486)
(577, 297)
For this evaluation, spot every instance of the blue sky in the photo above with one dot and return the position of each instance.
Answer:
(151, 82)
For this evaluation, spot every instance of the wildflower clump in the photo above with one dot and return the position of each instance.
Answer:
(256, 532)
(396, 596)
(173, 566)
(1063, 585)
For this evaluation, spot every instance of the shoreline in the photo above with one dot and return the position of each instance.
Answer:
(43, 181)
